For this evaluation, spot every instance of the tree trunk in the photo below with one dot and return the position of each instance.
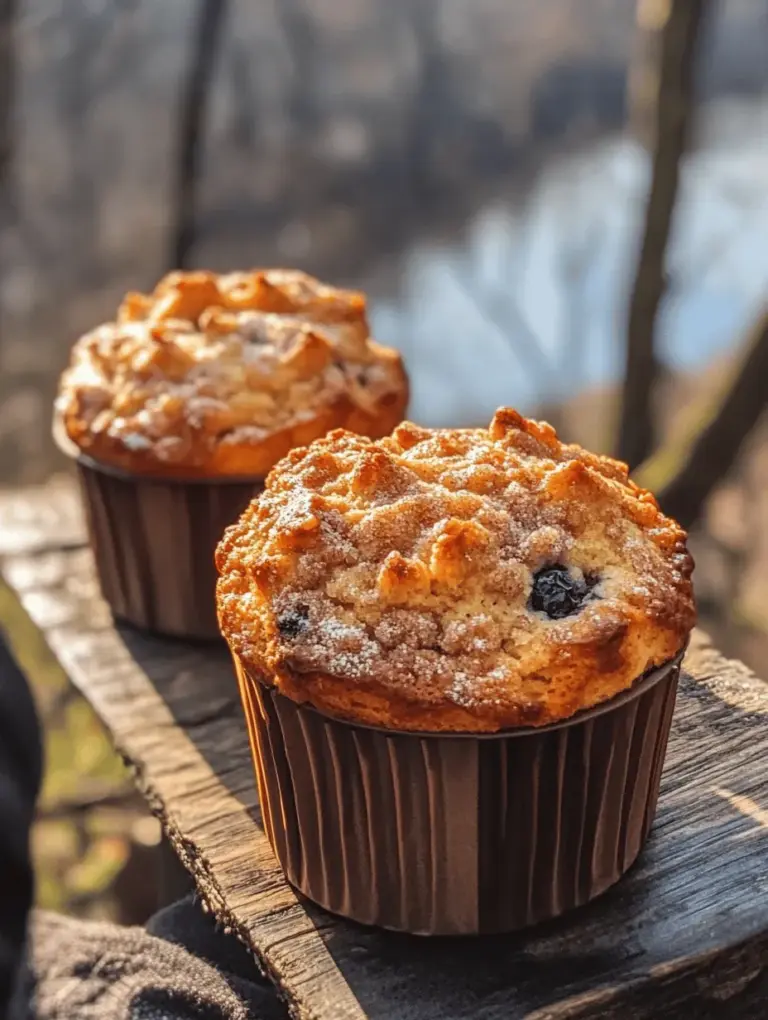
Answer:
(301, 40)
(425, 114)
(684, 472)
(194, 109)
(669, 96)
(7, 74)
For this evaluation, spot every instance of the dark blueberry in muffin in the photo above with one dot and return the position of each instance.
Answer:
(557, 593)
(294, 621)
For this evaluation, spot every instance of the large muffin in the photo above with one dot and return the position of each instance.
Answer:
(453, 580)
(221, 375)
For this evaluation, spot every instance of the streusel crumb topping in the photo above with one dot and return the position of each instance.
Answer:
(454, 579)
(227, 372)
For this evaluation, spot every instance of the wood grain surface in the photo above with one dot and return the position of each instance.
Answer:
(685, 934)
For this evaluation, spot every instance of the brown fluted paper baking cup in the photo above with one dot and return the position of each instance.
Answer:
(154, 541)
(456, 834)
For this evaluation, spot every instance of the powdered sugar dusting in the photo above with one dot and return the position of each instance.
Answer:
(229, 360)
(414, 558)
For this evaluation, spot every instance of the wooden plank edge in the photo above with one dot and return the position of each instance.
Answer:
(730, 981)
(212, 898)
(742, 688)
(63, 639)
(42, 518)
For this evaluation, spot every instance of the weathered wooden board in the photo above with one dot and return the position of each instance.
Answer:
(684, 935)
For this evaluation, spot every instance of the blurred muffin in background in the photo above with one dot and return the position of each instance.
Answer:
(177, 410)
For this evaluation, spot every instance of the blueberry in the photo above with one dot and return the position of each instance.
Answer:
(558, 593)
(294, 621)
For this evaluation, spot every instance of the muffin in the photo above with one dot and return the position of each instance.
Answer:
(178, 409)
(458, 653)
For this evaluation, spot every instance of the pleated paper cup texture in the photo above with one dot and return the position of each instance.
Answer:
(154, 541)
(458, 834)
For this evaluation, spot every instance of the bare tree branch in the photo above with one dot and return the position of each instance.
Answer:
(503, 314)
(676, 36)
(684, 472)
(428, 100)
(243, 120)
(301, 40)
(575, 265)
(194, 110)
(7, 74)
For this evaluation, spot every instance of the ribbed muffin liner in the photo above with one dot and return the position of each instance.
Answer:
(154, 541)
(457, 834)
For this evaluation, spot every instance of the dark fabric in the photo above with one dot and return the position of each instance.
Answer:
(185, 924)
(20, 773)
(180, 968)
(186, 970)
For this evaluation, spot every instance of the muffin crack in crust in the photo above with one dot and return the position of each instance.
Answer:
(466, 580)
(223, 374)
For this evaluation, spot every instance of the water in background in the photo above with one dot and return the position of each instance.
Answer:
(420, 149)
(529, 305)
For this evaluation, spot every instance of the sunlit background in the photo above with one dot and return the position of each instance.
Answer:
(467, 162)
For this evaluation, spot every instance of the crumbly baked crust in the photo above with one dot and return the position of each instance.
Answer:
(223, 374)
(390, 582)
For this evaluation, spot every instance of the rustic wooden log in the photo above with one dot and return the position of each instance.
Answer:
(685, 934)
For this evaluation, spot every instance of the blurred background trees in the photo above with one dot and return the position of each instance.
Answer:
(555, 205)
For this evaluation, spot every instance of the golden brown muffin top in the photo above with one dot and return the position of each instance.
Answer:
(467, 579)
(223, 374)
